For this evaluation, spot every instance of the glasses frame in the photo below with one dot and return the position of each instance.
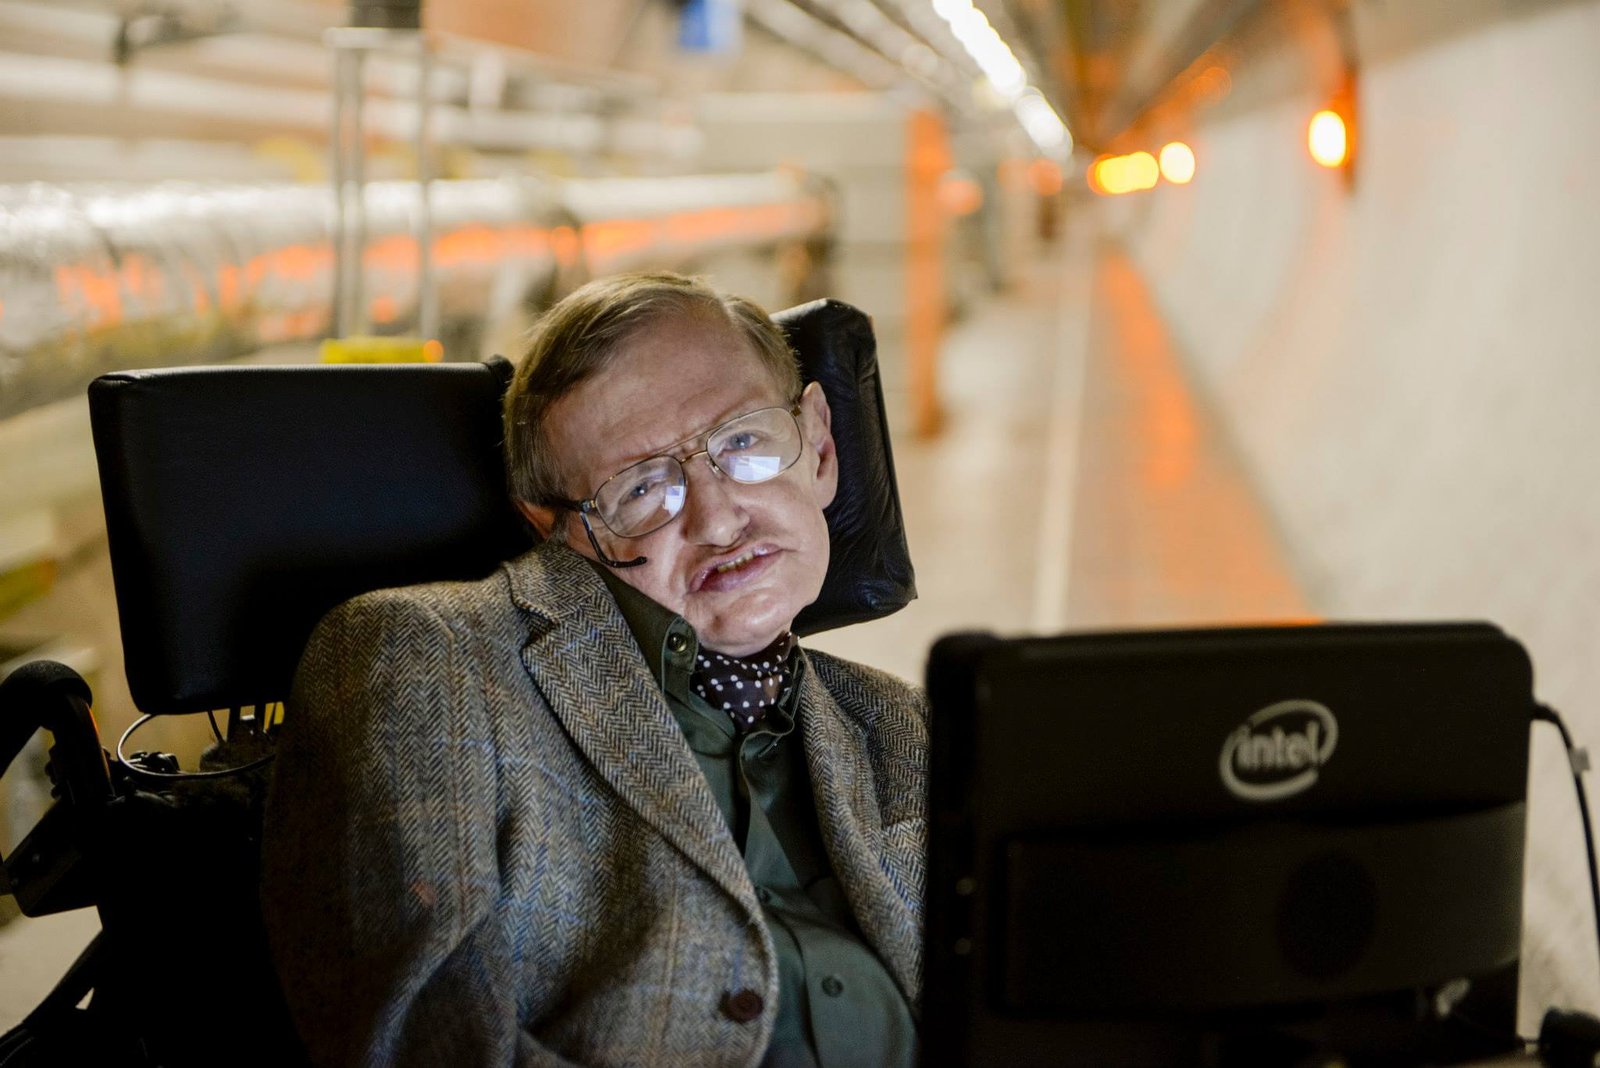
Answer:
(590, 505)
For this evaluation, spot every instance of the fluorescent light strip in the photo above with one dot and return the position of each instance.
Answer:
(867, 22)
(1005, 74)
(833, 47)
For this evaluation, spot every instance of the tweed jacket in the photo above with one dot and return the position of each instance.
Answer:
(488, 842)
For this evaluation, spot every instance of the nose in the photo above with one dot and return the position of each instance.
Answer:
(712, 514)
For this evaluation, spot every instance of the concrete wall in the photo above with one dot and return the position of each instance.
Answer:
(1409, 366)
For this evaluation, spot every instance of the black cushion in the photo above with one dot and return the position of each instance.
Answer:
(869, 572)
(244, 502)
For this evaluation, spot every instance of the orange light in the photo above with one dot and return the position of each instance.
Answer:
(1093, 175)
(1110, 175)
(383, 308)
(1177, 163)
(960, 195)
(1143, 170)
(228, 286)
(611, 239)
(564, 240)
(1115, 175)
(1327, 139)
(1214, 84)
(1046, 177)
(467, 246)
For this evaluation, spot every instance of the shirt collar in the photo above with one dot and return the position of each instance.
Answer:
(669, 645)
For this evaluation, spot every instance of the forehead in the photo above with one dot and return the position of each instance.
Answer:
(671, 379)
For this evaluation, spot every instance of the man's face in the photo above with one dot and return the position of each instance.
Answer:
(680, 377)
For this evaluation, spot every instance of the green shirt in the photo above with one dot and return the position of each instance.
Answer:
(837, 1003)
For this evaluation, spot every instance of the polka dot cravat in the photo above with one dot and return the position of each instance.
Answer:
(745, 687)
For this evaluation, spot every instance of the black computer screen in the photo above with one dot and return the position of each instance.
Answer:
(1226, 846)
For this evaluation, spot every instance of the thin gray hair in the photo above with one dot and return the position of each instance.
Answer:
(583, 333)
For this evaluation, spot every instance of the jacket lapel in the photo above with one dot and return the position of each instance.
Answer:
(584, 660)
(852, 828)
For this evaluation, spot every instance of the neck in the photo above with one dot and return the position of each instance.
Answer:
(757, 653)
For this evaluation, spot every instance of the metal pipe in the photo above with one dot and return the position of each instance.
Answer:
(96, 279)
(337, 169)
(428, 293)
(351, 239)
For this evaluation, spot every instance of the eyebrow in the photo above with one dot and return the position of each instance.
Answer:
(668, 450)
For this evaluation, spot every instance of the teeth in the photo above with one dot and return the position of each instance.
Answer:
(736, 563)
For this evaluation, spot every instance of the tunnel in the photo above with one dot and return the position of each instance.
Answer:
(1188, 314)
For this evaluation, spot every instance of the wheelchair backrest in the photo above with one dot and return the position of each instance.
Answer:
(243, 502)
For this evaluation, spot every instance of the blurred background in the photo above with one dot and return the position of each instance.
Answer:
(1188, 310)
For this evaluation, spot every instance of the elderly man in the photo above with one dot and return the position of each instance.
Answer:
(599, 808)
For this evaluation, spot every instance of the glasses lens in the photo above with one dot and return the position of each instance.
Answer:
(756, 447)
(643, 497)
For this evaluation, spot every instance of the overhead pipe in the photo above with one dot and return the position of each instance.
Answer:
(376, 26)
(272, 79)
(96, 279)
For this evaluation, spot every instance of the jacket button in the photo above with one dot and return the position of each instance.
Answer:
(742, 1006)
(677, 643)
(832, 986)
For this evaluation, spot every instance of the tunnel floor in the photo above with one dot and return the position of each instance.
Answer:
(1079, 481)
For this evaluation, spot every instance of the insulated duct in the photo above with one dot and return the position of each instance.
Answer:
(96, 279)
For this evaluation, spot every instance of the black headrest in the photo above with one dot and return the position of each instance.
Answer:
(869, 571)
(244, 502)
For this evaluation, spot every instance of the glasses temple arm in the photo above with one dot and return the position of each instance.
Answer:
(582, 508)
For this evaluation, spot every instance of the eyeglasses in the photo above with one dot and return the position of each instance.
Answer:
(646, 496)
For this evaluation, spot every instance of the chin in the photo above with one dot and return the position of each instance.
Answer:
(740, 629)
(743, 621)
(741, 640)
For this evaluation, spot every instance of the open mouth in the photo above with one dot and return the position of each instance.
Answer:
(736, 563)
(735, 569)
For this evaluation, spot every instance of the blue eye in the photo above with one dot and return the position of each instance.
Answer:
(645, 487)
(745, 439)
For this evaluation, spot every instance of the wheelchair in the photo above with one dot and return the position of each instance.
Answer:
(242, 503)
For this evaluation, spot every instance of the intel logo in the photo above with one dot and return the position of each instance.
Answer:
(1277, 752)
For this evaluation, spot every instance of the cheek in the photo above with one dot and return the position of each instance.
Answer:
(806, 536)
(660, 582)
(656, 578)
(816, 561)
(661, 577)
(816, 537)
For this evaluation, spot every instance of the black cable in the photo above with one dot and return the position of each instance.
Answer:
(15, 1042)
(216, 731)
(171, 775)
(1578, 761)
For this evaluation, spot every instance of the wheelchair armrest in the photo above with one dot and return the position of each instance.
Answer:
(48, 695)
(44, 870)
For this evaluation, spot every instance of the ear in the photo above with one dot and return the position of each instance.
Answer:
(817, 422)
(541, 517)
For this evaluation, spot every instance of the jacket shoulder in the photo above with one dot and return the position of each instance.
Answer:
(848, 678)
(868, 693)
(892, 716)
(475, 608)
